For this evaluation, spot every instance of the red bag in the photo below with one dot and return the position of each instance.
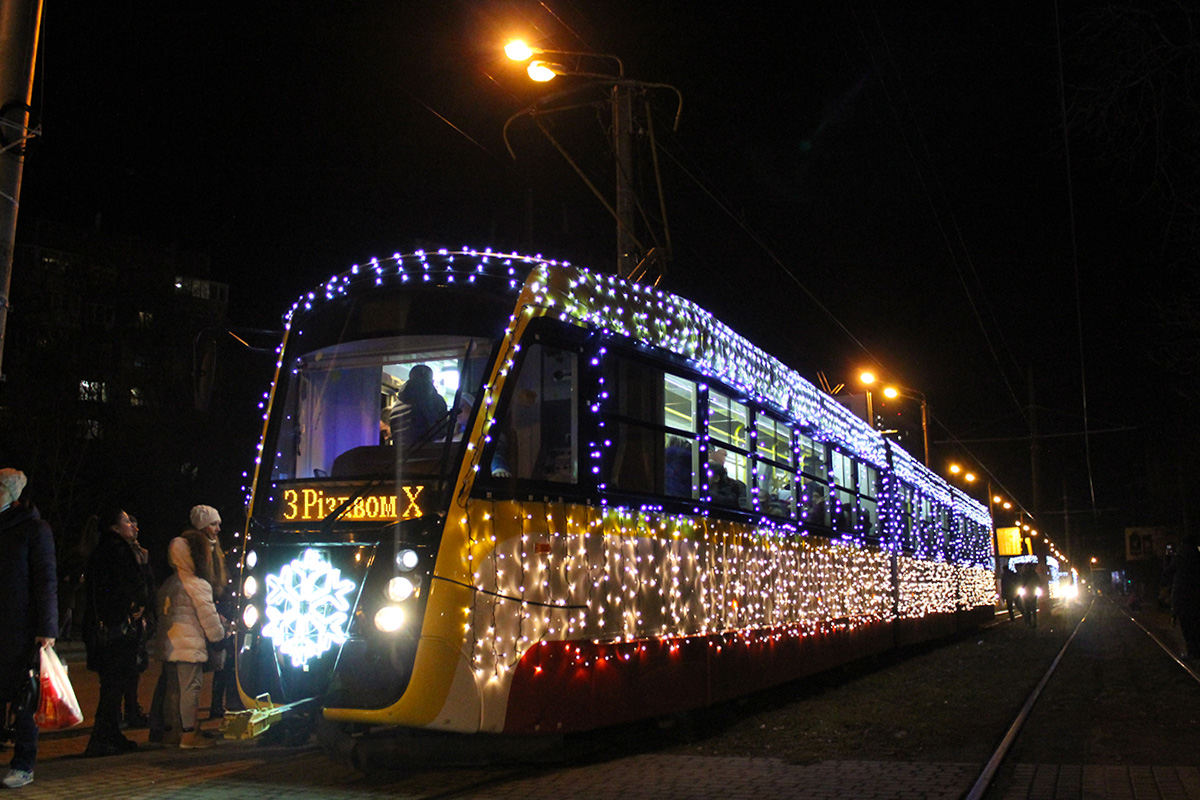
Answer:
(58, 707)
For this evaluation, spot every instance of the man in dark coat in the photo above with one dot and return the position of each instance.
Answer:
(29, 618)
(1008, 590)
(1031, 583)
(1184, 574)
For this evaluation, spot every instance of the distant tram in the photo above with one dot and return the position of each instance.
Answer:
(618, 509)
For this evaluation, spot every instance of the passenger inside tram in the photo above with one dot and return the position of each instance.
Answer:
(726, 491)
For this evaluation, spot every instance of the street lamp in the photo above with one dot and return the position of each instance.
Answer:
(634, 259)
(892, 392)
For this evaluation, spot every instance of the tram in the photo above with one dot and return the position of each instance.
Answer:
(624, 510)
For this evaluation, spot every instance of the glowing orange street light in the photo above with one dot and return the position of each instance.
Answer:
(867, 378)
(633, 256)
(969, 477)
(517, 50)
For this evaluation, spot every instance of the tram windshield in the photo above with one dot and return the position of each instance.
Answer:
(393, 407)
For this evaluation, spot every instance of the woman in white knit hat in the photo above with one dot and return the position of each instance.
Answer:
(188, 620)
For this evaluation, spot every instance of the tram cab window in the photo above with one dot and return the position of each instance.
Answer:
(537, 434)
(649, 426)
(776, 469)
(728, 468)
(339, 403)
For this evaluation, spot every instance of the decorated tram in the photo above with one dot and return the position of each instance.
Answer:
(623, 509)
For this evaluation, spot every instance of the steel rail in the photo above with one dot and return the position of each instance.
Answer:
(989, 771)
(1191, 668)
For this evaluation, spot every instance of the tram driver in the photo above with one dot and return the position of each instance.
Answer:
(419, 411)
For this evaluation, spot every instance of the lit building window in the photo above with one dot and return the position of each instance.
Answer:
(93, 391)
(202, 289)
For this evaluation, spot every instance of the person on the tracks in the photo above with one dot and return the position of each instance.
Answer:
(1008, 590)
(1030, 589)
(1183, 572)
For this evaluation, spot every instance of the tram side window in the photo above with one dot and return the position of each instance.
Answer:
(909, 519)
(814, 477)
(942, 536)
(927, 527)
(537, 438)
(776, 467)
(650, 426)
(842, 472)
(868, 504)
(959, 531)
(728, 458)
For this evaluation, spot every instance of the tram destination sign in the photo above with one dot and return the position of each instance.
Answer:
(313, 502)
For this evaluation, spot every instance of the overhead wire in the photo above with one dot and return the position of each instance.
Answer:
(1062, 99)
(933, 206)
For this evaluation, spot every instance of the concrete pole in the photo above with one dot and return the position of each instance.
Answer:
(622, 118)
(1035, 451)
(20, 22)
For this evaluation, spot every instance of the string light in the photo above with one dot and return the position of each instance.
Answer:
(602, 583)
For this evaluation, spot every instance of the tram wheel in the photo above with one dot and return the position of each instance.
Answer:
(338, 743)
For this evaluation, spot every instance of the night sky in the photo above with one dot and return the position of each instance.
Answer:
(874, 184)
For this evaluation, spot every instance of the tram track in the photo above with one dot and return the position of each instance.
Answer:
(984, 781)
(1004, 698)
(1130, 706)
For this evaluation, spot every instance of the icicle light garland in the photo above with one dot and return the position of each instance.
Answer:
(614, 574)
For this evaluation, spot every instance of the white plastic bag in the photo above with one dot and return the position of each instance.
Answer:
(58, 707)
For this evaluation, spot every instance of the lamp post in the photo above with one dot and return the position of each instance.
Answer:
(633, 257)
(892, 392)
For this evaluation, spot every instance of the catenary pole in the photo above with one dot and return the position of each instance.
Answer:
(20, 22)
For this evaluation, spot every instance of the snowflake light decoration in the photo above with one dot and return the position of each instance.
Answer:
(306, 607)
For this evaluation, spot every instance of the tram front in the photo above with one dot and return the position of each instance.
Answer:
(366, 432)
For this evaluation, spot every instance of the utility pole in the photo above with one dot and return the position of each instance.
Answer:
(1067, 523)
(1035, 448)
(622, 121)
(20, 22)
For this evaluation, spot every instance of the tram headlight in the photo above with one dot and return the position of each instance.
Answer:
(400, 589)
(1071, 591)
(407, 559)
(250, 587)
(250, 616)
(389, 619)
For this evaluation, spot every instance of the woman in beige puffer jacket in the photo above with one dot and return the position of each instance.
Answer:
(187, 621)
